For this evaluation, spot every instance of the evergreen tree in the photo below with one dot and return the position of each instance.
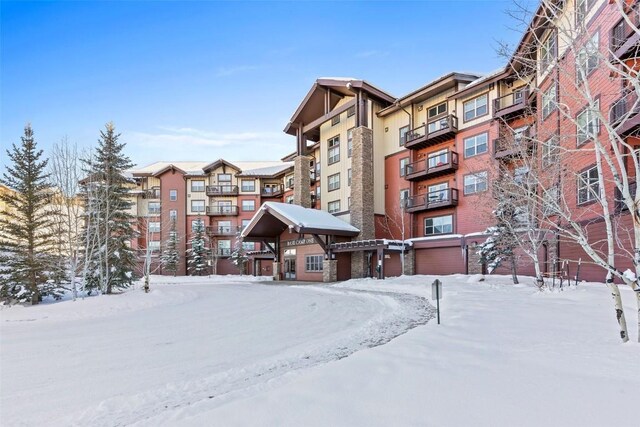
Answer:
(109, 260)
(26, 237)
(170, 256)
(198, 253)
(239, 256)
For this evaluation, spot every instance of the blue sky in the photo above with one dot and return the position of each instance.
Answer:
(205, 80)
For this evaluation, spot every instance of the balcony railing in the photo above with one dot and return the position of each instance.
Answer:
(223, 251)
(221, 210)
(511, 104)
(623, 37)
(272, 191)
(624, 113)
(222, 190)
(153, 193)
(432, 133)
(514, 145)
(224, 230)
(438, 199)
(432, 166)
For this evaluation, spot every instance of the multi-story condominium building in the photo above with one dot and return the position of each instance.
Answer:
(414, 175)
(221, 195)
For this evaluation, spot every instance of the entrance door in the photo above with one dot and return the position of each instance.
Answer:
(290, 269)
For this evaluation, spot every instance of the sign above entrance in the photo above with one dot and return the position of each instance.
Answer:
(299, 242)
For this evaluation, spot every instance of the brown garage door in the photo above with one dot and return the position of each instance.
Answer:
(392, 265)
(440, 261)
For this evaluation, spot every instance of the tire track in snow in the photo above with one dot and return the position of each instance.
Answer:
(399, 314)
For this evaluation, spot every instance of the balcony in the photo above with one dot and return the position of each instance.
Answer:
(272, 191)
(222, 210)
(223, 252)
(223, 231)
(513, 146)
(432, 133)
(153, 193)
(312, 176)
(511, 105)
(222, 190)
(624, 113)
(624, 41)
(434, 200)
(432, 166)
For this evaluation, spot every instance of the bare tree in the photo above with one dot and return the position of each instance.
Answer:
(394, 223)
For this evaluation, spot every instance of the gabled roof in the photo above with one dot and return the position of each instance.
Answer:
(267, 171)
(167, 168)
(219, 163)
(274, 218)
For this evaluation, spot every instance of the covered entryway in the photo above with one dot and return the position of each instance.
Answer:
(380, 254)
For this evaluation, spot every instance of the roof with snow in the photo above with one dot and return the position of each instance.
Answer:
(268, 171)
(269, 168)
(274, 218)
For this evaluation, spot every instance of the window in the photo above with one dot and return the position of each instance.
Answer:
(550, 151)
(437, 110)
(351, 111)
(196, 224)
(154, 208)
(248, 185)
(317, 169)
(154, 227)
(438, 158)
(333, 181)
(173, 195)
(475, 108)
(173, 215)
(404, 196)
(547, 52)
(588, 124)
(224, 226)
(349, 202)
(224, 177)
(403, 134)
(475, 183)
(313, 263)
(438, 193)
(582, 9)
(438, 225)
(403, 166)
(249, 246)
(551, 200)
(334, 206)
(350, 142)
(289, 181)
(549, 101)
(475, 145)
(224, 247)
(334, 150)
(587, 59)
(318, 192)
(197, 186)
(245, 222)
(289, 199)
(154, 245)
(588, 186)
(197, 206)
(248, 205)
(349, 177)
(335, 120)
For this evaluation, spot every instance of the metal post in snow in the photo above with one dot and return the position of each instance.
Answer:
(578, 270)
(436, 289)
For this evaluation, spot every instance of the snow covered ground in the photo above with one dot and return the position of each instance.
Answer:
(223, 351)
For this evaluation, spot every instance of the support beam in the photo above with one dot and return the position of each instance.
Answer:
(339, 110)
(320, 242)
(269, 247)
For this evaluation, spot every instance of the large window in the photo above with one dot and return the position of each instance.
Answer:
(224, 247)
(587, 58)
(154, 227)
(350, 142)
(173, 195)
(582, 9)
(475, 183)
(438, 158)
(403, 134)
(588, 125)
(248, 205)
(333, 152)
(550, 151)
(313, 263)
(549, 101)
(154, 208)
(438, 225)
(248, 185)
(438, 193)
(333, 181)
(197, 206)
(475, 145)
(476, 107)
(334, 206)
(588, 186)
(224, 177)
(403, 165)
(547, 52)
(197, 186)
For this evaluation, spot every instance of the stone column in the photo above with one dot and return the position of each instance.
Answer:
(409, 262)
(276, 270)
(302, 181)
(474, 266)
(362, 195)
(330, 270)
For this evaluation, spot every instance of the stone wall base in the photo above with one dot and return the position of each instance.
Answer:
(330, 270)
(276, 271)
(359, 266)
(409, 262)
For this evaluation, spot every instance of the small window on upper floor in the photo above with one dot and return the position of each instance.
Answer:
(335, 120)
(437, 110)
(351, 111)
(582, 10)
(476, 107)
(547, 52)
(403, 134)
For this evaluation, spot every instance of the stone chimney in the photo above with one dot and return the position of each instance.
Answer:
(302, 181)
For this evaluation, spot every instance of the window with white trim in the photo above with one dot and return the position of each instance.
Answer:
(333, 181)
(547, 52)
(588, 185)
(350, 142)
(549, 101)
(475, 183)
(248, 205)
(197, 186)
(403, 165)
(550, 151)
(313, 263)
(438, 158)
(248, 185)
(154, 208)
(582, 9)
(587, 123)
(197, 205)
(476, 107)
(224, 177)
(333, 151)
(403, 134)
(154, 227)
(154, 245)
(173, 195)
(587, 58)
(334, 206)
(173, 215)
(475, 145)
(438, 225)
(404, 196)
(437, 110)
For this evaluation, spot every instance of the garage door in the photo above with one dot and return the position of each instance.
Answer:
(440, 261)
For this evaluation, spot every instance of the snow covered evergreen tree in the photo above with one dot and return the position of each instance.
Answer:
(26, 238)
(198, 253)
(170, 255)
(239, 255)
(109, 260)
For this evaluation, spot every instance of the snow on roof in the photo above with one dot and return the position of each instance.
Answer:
(438, 237)
(344, 79)
(485, 77)
(196, 168)
(267, 171)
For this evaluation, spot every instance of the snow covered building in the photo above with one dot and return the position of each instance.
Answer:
(421, 167)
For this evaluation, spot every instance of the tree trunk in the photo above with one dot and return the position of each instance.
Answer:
(617, 300)
(514, 273)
